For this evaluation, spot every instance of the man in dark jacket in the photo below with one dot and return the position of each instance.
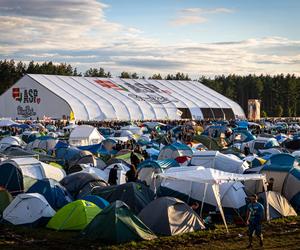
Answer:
(113, 175)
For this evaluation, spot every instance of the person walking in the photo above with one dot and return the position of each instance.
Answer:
(255, 215)
(131, 175)
(113, 175)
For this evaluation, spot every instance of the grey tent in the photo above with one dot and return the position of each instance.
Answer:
(170, 216)
(277, 204)
(81, 184)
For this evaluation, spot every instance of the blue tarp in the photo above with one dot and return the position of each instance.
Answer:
(162, 164)
(97, 200)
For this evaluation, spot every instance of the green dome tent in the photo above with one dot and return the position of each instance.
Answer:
(117, 224)
(74, 216)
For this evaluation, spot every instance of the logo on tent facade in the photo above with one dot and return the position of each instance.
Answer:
(26, 95)
(140, 92)
(25, 112)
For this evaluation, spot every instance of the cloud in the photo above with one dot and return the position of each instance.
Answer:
(83, 36)
(191, 16)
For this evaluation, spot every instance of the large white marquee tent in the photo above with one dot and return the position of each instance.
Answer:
(89, 98)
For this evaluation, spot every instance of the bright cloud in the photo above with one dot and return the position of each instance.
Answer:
(190, 16)
(78, 32)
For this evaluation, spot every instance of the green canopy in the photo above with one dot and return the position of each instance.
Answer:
(74, 216)
(117, 224)
(5, 199)
(210, 143)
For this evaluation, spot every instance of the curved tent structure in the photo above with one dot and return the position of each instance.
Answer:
(56, 195)
(18, 174)
(135, 195)
(90, 98)
(285, 170)
(175, 150)
(28, 209)
(170, 216)
(74, 216)
(117, 224)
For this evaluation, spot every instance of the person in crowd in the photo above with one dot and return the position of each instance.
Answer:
(113, 175)
(255, 216)
(246, 150)
(270, 184)
(131, 174)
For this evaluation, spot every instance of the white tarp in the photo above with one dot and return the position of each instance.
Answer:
(217, 160)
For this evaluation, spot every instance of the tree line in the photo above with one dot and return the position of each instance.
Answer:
(279, 94)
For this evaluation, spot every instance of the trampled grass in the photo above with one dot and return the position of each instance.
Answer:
(278, 234)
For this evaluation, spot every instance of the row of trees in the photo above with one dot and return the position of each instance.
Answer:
(280, 94)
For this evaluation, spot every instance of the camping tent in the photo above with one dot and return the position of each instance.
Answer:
(133, 129)
(74, 216)
(18, 174)
(5, 200)
(135, 195)
(11, 140)
(56, 195)
(97, 200)
(148, 169)
(215, 187)
(121, 172)
(71, 156)
(170, 216)
(44, 142)
(117, 224)
(277, 204)
(217, 160)
(175, 150)
(285, 170)
(81, 184)
(30, 209)
(85, 135)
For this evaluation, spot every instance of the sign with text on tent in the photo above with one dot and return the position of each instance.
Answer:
(140, 92)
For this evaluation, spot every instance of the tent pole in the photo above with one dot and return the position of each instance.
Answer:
(203, 199)
(216, 190)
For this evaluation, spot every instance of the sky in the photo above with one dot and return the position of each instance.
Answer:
(198, 37)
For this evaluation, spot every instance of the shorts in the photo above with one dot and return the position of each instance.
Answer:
(255, 228)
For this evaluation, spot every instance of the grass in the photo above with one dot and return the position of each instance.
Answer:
(278, 234)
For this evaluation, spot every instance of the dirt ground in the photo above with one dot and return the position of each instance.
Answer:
(278, 234)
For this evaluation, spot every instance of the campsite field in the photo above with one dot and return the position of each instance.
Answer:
(279, 234)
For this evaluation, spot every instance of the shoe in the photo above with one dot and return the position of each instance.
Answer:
(261, 243)
(249, 246)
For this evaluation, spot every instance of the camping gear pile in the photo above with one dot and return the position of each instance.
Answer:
(61, 180)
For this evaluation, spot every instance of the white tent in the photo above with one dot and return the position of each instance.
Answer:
(6, 122)
(35, 169)
(187, 179)
(133, 129)
(217, 160)
(85, 135)
(11, 140)
(122, 170)
(27, 209)
(91, 98)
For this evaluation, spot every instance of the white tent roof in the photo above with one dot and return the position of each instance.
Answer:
(138, 99)
(207, 175)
